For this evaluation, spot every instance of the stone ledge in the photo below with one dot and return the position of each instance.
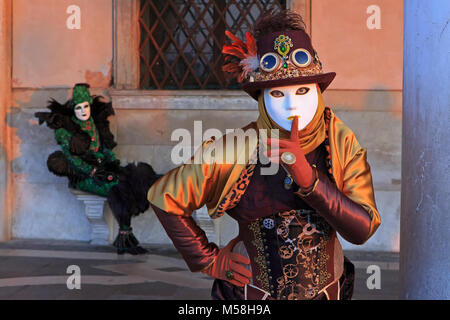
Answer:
(351, 100)
(94, 208)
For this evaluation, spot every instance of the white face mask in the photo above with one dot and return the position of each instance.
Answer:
(83, 111)
(283, 103)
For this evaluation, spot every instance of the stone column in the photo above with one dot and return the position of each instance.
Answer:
(126, 44)
(5, 103)
(425, 208)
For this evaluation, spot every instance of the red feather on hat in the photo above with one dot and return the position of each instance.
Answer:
(245, 52)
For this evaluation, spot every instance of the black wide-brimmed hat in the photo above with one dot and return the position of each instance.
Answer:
(277, 59)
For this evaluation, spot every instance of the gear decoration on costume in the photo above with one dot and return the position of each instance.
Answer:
(283, 230)
(286, 251)
(302, 236)
(290, 271)
(268, 223)
(87, 160)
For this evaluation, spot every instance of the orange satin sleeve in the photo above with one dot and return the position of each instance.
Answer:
(351, 170)
(358, 186)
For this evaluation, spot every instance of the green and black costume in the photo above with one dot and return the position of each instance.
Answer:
(102, 155)
(89, 163)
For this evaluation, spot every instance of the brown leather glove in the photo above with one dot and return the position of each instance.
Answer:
(300, 170)
(228, 266)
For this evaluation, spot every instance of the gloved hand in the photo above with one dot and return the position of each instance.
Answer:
(101, 176)
(228, 266)
(350, 219)
(300, 170)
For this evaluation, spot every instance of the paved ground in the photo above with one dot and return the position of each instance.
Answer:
(38, 270)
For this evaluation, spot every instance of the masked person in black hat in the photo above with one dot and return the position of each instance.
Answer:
(287, 247)
(82, 130)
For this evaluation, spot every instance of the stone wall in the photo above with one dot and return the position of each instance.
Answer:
(48, 61)
(55, 44)
(144, 121)
(5, 102)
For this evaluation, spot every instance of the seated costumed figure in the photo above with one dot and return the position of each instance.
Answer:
(87, 160)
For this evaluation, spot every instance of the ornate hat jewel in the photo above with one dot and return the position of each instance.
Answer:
(282, 44)
(278, 58)
(285, 61)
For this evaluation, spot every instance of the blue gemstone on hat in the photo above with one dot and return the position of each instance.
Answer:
(301, 57)
(269, 62)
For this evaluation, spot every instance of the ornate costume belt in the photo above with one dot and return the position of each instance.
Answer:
(290, 253)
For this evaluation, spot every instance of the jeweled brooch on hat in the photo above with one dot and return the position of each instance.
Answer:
(271, 61)
(282, 44)
(278, 57)
(283, 62)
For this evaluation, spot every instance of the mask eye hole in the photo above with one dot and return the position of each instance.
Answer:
(269, 62)
(302, 90)
(276, 93)
(82, 106)
(301, 58)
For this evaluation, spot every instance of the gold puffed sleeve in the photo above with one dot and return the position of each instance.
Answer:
(185, 188)
(351, 170)
(358, 186)
(197, 183)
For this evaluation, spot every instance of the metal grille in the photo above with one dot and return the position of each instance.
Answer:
(181, 40)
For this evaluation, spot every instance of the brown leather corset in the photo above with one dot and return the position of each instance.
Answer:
(289, 244)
